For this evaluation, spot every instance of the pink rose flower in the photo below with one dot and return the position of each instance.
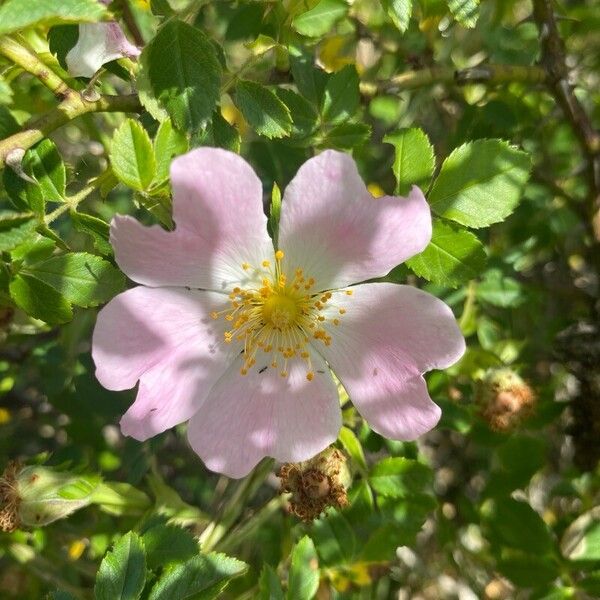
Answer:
(98, 44)
(239, 339)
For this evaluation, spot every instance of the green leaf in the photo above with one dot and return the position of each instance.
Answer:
(466, 12)
(224, 134)
(581, 540)
(400, 477)
(158, 204)
(399, 12)
(96, 228)
(39, 300)
(480, 183)
(347, 136)
(263, 110)
(61, 596)
(414, 160)
(8, 124)
(15, 228)
(269, 585)
(309, 80)
(526, 569)
(81, 278)
(304, 116)
(166, 544)
(122, 573)
(168, 144)
(132, 156)
(202, 578)
(44, 166)
(515, 524)
(320, 19)
(453, 257)
(342, 96)
(183, 70)
(334, 539)
(353, 447)
(401, 522)
(19, 14)
(304, 571)
(498, 290)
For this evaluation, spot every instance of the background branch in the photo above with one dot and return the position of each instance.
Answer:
(554, 63)
(72, 107)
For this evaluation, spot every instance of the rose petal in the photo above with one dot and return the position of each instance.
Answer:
(246, 418)
(389, 335)
(217, 206)
(334, 230)
(98, 44)
(165, 338)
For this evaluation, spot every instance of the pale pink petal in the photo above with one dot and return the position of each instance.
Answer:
(389, 335)
(98, 44)
(334, 230)
(166, 339)
(246, 418)
(218, 211)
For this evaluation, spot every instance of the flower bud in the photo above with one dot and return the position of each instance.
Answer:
(316, 484)
(35, 496)
(505, 400)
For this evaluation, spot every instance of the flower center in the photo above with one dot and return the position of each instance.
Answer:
(277, 318)
(280, 311)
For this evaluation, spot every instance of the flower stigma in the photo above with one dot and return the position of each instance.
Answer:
(279, 315)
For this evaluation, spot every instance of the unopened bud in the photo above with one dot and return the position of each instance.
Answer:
(35, 496)
(316, 484)
(505, 399)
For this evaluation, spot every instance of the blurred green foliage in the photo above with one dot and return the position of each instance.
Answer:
(458, 97)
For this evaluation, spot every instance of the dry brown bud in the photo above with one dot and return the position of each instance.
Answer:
(316, 484)
(505, 399)
(9, 498)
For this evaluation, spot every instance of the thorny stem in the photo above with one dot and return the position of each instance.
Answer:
(554, 63)
(72, 107)
(30, 62)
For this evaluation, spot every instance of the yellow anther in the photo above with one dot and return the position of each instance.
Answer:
(336, 321)
(349, 292)
(310, 376)
(266, 263)
(283, 373)
(214, 314)
(243, 371)
(279, 254)
(245, 266)
(342, 311)
(229, 317)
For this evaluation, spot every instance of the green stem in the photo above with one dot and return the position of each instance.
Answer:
(218, 528)
(30, 62)
(73, 201)
(488, 74)
(72, 107)
(247, 529)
